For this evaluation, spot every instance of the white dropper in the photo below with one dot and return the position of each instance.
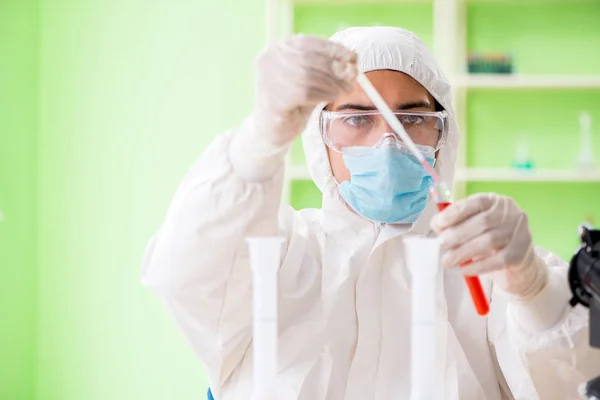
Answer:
(265, 253)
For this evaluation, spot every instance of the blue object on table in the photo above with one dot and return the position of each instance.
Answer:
(209, 394)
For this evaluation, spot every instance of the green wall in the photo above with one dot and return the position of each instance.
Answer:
(325, 19)
(544, 38)
(104, 104)
(18, 196)
(131, 92)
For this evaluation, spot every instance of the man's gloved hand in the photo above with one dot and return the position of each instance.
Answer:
(294, 76)
(493, 232)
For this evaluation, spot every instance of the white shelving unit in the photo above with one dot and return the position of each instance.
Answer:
(450, 47)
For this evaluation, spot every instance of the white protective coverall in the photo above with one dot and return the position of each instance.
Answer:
(344, 289)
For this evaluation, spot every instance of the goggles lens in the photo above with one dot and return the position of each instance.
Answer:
(368, 128)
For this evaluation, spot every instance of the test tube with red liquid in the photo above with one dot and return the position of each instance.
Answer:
(442, 197)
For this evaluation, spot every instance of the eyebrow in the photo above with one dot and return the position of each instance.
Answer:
(405, 106)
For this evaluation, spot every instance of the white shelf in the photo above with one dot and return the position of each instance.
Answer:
(535, 175)
(508, 81)
(334, 2)
(365, 2)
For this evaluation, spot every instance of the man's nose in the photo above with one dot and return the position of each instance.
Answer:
(383, 129)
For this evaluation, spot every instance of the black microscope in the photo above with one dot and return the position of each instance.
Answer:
(584, 279)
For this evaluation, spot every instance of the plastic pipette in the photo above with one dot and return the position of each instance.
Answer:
(265, 255)
(473, 282)
(422, 256)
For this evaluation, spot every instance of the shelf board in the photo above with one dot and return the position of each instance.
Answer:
(535, 175)
(508, 81)
(539, 2)
(334, 2)
(345, 2)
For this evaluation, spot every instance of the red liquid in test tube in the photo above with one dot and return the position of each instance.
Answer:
(442, 197)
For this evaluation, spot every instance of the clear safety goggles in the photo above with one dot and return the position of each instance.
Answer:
(368, 128)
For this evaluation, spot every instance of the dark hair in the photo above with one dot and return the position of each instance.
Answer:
(438, 106)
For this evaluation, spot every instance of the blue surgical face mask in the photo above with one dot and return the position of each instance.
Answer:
(387, 183)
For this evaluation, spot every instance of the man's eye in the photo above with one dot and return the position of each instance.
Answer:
(411, 119)
(356, 120)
